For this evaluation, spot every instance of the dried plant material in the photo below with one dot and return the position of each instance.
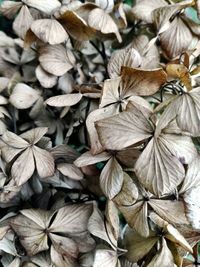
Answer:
(33, 157)
(64, 100)
(128, 57)
(101, 21)
(46, 80)
(56, 59)
(109, 256)
(42, 6)
(23, 21)
(10, 8)
(49, 31)
(23, 96)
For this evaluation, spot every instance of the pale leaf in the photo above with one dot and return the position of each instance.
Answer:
(56, 60)
(88, 159)
(64, 100)
(111, 178)
(46, 79)
(49, 31)
(70, 171)
(109, 257)
(23, 96)
(42, 5)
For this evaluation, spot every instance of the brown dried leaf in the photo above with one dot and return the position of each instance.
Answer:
(49, 31)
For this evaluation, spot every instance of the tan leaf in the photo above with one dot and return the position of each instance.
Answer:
(46, 80)
(142, 82)
(112, 216)
(61, 260)
(136, 217)
(71, 219)
(44, 162)
(99, 227)
(174, 235)
(88, 159)
(143, 9)
(171, 211)
(23, 96)
(49, 31)
(42, 5)
(22, 22)
(128, 57)
(64, 245)
(158, 170)
(164, 258)
(123, 130)
(101, 21)
(137, 245)
(64, 100)
(128, 194)
(33, 136)
(111, 178)
(109, 257)
(76, 26)
(23, 168)
(56, 60)
(70, 171)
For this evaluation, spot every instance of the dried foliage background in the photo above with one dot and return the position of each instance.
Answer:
(99, 133)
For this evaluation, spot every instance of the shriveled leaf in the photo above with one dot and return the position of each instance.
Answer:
(49, 31)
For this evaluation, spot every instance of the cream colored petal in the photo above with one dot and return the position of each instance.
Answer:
(42, 5)
(67, 100)
(70, 171)
(46, 80)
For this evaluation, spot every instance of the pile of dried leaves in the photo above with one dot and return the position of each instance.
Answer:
(99, 134)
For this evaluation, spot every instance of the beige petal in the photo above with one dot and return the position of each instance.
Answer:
(192, 178)
(142, 82)
(107, 5)
(128, 57)
(123, 130)
(94, 116)
(61, 260)
(56, 60)
(42, 5)
(105, 258)
(70, 171)
(44, 162)
(23, 96)
(143, 9)
(99, 227)
(101, 21)
(64, 245)
(71, 219)
(111, 178)
(49, 31)
(88, 159)
(64, 100)
(128, 194)
(23, 168)
(31, 236)
(158, 170)
(111, 92)
(22, 22)
(33, 136)
(46, 80)
(136, 217)
(112, 216)
(171, 211)
(137, 245)
(164, 258)
(10, 8)
(14, 141)
(174, 236)
(76, 26)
